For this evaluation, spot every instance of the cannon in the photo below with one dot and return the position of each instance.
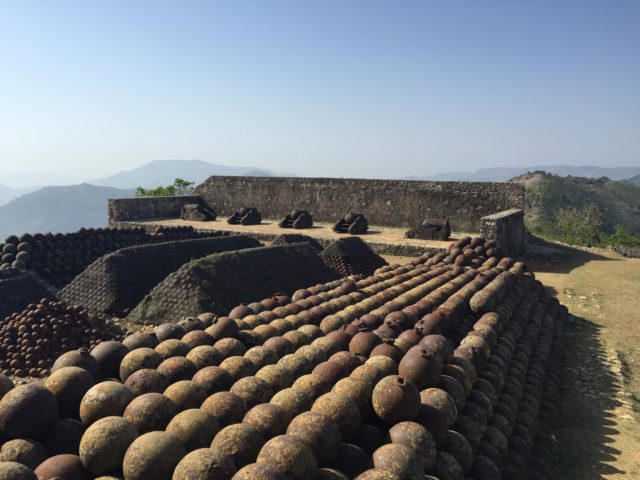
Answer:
(353, 223)
(431, 229)
(197, 212)
(245, 216)
(297, 219)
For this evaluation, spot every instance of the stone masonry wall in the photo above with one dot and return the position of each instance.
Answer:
(507, 229)
(146, 208)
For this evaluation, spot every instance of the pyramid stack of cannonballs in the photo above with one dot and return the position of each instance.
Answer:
(445, 368)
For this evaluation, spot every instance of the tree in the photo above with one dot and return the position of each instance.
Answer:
(580, 225)
(178, 187)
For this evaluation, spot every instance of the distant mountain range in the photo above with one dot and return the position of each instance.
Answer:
(7, 193)
(58, 209)
(633, 180)
(163, 172)
(503, 174)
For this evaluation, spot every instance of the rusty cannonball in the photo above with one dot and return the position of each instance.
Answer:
(369, 438)
(252, 390)
(421, 366)
(240, 441)
(204, 356)
(65, 466)
(395, 399)
(185, 394)
(319, 433)
(459, 448)
(261, 356)
(349, 360)
(399, 460)
(289, 456)
(6, 384)
(27, 411)
(16, 471)
(104, 399)
(227, 407)
(196, 338)
(213, 379)
(388, 350)
(376, 474)
(78, 358)
(29, 453)
(359, 392)
(447, 467)
(440, 400)
(109, 355)
(147, 380)
(362, 343)
(238, 367)
(313, 353)
(293, 402)
(63, 437)
(454, 389)
(327, 344)
(172, 348)
(104, 444)
(351, 461)
(204, 464)
(386, 365)
(330, 371)
(69, 385)
(166, 331)
(276, 376)
(280, 345)
(149, 412)
(222, 327)
(175, 369)
(342, 410)
(297, 338)
(368, 374)
(229, 347)
(137, 360)
(418, 439)
(271, 420)
(310, 385)
(140, 340)
(194, 427)
(296, 365)
(242, 311)
(153, 456)
(259, 471)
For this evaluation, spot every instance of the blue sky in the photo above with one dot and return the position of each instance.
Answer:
(331, 88)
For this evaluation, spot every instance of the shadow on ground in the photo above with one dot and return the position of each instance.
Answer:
(545, 256)
(588, 401)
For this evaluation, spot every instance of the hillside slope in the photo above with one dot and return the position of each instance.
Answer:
(546, 194)
(633, 180)
(58, 209)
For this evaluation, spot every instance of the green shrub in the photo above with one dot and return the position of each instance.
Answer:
(580, 225)
(179, 187)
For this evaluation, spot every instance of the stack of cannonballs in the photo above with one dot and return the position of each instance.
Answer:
(30, 341)
(424, 371)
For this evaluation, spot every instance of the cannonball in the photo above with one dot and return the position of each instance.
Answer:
(196, 338)
(296, 365)
(6, 384)
(357, 391)
(185, 394)
(448, 468)
(330, 474)
(238, 367)
(459, 448)
(222, 327)
(276, 376)
(105, 399)
(292, 401)
(227, 407)
(104, 444)
(261, 356)
(352, 460)
(149, 412)
(289, 456)
(65, 466)
(421, 366)
(349, 360)
(172, 348)
(319, 433)
(153, 456)
(213, 379)
(194, 427)
(147, 380)
(399, 460)
(229, 347)
(328, 345)
(78, 358)
(240, 441)
(140, 340)
(69, 385)
(137, 360)
(29, 453)
(269, 419)
(313, 353)
(109, 355)
(386, 365)
(63, 437)
(310, 385)
(259, 471)
(330, 371)
(168, 331)
(375, 474)
(204, 356)
(342, 410)
(175, 369)
(394, 399)
(418, 439)
(16, 471)
(205, 464)
(27, 411)
(369, 438)
(368, 374)
(252, 390)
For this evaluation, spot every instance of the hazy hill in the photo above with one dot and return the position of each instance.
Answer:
(7, 193)
(503, 174)
(58, 209)
(546, 194)
(634, 180)
(163, 172)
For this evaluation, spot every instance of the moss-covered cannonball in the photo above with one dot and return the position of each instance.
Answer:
(238, 367)
(376, 474)
(185, 395)
(213, 379)
(241, 441)
(27, 411)
(297, 338)
(65, 466)
(196, 338)
(261, 356)
(140, 340)
(69, 384)
(194, 427)
(104, 399)
(27, 452)
(252, 390)
(417, 438)
(259, 471)
(290, 456)
(16, 471)
(204, 356)
(394, 399)
(227, 407)
(222, 327)
(459, 448)
(147, 380)
(292, 402)
(352, 460)
(153, 456)
(149, 412)
(386, 365)
(175, 369)
(357, 391)
(311, 331)
(318, 432)
(328, 345)
(78, 358)
(313, 353)
(104, 444)
(448, 468)
(311, 386)
(276, 376)
(454, 389)
(399, 460)
(172, 348)
(269, 419)
(229, 347)
(137, 360)
(295, 364)
(63, 437)
(342, 410)
(441, 401)
(109, 355)
(205, 464)
(369, 374)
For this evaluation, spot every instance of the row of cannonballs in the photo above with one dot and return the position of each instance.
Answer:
(319, 412)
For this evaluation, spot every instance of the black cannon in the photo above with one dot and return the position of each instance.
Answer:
(353, 223)
(245, 216)
(431, 229)
(297, 219)
(197, 212)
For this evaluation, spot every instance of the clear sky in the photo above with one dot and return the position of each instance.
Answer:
(326, 88)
